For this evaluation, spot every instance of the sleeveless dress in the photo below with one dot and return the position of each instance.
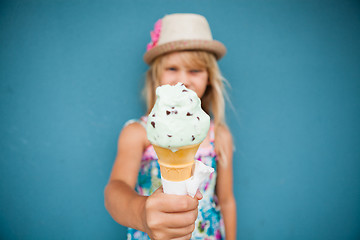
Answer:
(209, 223)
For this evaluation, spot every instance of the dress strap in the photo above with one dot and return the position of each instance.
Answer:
(129, 122)
(142, 121)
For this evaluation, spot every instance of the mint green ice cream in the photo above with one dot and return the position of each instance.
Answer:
(177, 119)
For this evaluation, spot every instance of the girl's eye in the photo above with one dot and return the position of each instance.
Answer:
(171, 69)
(195, 70)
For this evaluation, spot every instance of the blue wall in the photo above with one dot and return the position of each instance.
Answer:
(71, 74)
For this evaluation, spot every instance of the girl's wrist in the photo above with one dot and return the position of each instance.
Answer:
(140, 207)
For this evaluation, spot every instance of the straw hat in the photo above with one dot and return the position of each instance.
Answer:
(182, 31)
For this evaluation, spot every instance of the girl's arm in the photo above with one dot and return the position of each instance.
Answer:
(160, 215)
(224, 184)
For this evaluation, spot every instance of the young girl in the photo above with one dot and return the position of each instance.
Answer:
(182, 50)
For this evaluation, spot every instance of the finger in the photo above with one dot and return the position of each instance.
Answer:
(187, 237)
(173, 203)
(180, 220)
(198, 195)
(186, 232)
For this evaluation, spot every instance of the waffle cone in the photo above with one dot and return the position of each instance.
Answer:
(176, 166)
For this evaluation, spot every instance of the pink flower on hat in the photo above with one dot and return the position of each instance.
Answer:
(154, 35)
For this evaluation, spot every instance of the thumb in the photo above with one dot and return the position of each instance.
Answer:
(198, 195)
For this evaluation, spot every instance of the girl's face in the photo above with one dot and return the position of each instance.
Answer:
(175, 69)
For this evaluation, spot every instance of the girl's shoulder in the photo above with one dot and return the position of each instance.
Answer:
(134, 129)
(224, 145)
(222, 133)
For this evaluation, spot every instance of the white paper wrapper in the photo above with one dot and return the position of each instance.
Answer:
(191, 185)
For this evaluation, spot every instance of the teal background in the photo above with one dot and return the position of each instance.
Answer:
(71, 73)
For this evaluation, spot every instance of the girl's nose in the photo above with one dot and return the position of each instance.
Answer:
(182, 77)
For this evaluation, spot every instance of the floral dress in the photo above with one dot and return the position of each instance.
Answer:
(209, 223)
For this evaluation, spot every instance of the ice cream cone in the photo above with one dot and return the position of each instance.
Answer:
(176, 166)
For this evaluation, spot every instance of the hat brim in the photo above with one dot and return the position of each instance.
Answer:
(213, 46)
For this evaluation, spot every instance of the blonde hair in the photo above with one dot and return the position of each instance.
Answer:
(213, 100)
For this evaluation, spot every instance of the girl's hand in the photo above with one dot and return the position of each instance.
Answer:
(170, 216)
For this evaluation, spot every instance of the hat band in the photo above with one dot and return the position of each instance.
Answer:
(213, 46)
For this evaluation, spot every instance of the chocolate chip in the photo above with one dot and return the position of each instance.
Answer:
(169, 135)
(193, 138)
(153, 115)
(167, 112)
(153, 124)
(191, 99)
(176, 112)
(198, 118)
(189, 114)
(172, 107)
(184, 90)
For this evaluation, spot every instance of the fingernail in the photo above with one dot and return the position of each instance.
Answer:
(199, 195)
